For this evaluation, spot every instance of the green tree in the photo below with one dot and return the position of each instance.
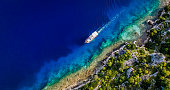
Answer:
(136, 83)
(131, 46)
(112, 58)
(167, 8)
(153, 32)
(106, 77)
(140, 70)
(142, 52)
(146, 71)
(163, 64)
(122, 78)
(109, 72)
(165, 73)
(165, 15)
(115, 73)
(131, 80)
(127, 52)
(104, 68)
(166, 84)
(146, 65)
(166, 49)
(109, 64)
(162, 78)
(141, 74)
(162, 18)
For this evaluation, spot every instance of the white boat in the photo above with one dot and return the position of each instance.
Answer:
(91, 37)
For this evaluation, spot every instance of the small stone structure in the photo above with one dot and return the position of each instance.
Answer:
(129, 71)
(150, 22)
(157, 58)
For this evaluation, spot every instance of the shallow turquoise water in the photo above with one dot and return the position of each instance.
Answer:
(120, 17)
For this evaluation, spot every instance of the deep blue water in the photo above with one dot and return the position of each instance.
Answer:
(39, 38)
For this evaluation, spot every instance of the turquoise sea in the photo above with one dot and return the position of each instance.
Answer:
(119, 18)
(43, 41)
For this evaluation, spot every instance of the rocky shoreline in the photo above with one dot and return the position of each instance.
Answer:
(140, 42)
(91, 72)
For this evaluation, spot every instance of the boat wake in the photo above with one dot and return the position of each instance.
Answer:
(82, 56)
